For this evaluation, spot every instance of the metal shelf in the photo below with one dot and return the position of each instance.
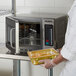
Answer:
(8, 11)
(4, 12)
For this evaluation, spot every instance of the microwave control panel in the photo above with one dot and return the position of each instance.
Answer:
(48, 27)
(48, 35)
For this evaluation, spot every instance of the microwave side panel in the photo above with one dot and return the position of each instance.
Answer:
(10, 33)
(60, 30)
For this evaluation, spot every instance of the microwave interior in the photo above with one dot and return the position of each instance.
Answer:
(29, 34)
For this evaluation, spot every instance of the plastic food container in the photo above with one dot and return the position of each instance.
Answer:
(37, 55)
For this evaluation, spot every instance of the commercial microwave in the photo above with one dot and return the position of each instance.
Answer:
(32, 32)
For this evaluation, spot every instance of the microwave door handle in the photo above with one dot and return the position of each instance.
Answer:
(11, 37)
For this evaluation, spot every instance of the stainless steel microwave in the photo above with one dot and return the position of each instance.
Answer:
(35, 32)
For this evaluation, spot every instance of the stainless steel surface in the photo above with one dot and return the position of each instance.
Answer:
(48, 72)
(49, 21)
(16, 57)
(14, 7)
(16, 61)
(11, 37)
(30, 39)
(16, 68)
(39, 15)
(17, 37)
(4, 55)
(12, 24)
(37, 26)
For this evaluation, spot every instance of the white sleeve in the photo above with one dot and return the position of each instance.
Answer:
(69, 49)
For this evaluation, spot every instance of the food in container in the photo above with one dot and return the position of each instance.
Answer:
(37, 55)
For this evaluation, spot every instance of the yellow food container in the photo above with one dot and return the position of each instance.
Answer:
(37, 55)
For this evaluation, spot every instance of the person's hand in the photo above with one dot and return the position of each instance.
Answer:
(47, 63)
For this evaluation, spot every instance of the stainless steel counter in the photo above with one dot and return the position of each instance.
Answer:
(17, 61)
(4, 55)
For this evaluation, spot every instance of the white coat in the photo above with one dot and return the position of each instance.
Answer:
(69, 49)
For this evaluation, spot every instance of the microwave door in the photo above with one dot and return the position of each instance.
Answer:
(12, 35)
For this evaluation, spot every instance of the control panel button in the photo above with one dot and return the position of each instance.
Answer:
(47, 43)
(47, 40)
